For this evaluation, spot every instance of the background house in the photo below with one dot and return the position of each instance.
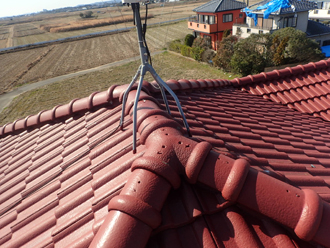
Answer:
(296, 16)
(322, 12)
(214, 17)
(317, 28)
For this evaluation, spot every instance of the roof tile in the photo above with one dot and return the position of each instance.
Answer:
(306, 92)
(87, 166)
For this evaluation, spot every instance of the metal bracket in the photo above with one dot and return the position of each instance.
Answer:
(143, 68)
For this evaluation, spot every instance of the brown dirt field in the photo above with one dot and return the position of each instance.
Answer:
(61, 59)
(10, 37)
(27, 29)
(67, 27)
(3, 43)
(167, 65)
(13, 64)
(170, 11)
(4, 32)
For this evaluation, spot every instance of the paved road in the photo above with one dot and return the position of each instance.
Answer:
(6, 98)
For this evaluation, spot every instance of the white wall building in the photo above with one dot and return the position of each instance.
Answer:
(274, 22)
(296, 16)
(322, 12)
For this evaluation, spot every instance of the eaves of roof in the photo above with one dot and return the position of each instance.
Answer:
(304, 88)
(254, 173)
(215, 6)
(316, 28)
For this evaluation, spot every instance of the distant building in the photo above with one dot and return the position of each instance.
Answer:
(214, 17)
(322, 12)
(295, 16)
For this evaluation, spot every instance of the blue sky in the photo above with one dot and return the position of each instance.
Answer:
(18, 7)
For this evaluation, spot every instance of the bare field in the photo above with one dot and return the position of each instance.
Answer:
(37, 64)
(14, 64)
(168, 66)
(4, 35)
(79, 25)
(28, 31)
(3, 43)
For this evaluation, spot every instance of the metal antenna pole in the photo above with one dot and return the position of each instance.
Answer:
(143, 68)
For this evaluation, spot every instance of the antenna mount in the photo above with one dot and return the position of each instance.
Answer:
(143, 68)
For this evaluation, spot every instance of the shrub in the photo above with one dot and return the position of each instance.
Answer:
(197, 53)
(250, 55)
(226, 33)
(201, 42)
(193, 52)
(189, 39)
(186, 51)
(224, 52)
(208, 55)
(175, 46)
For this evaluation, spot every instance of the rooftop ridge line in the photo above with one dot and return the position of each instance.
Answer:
(114, 93)
(276, 74)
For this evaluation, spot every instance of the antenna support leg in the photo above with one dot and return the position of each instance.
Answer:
(143, 68)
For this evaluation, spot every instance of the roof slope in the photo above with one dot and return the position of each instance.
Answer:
(220, 5)
(316, 28)
(61, 168)
(304, 88)
(299, 6)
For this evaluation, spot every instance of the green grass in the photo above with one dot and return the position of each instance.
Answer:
(167, 65)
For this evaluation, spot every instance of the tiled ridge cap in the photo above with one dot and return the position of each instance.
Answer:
(277, 74)
(114, 93)
(169, 154)
(288, 91)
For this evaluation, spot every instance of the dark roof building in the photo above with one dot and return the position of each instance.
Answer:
(215, 18)
(316, 28)
(268, 16)
(255, 172)
(296, 6)
(215, 6)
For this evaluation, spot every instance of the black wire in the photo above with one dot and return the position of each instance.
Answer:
(144, 35)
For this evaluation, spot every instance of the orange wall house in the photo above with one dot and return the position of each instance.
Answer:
(214, 17)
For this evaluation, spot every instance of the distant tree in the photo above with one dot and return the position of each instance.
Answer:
(225, 50)
(287, 45)
(87, 14)
(298, 48)
(251, 54)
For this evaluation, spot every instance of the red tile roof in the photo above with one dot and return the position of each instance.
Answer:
(304, 88)
(264, 183)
